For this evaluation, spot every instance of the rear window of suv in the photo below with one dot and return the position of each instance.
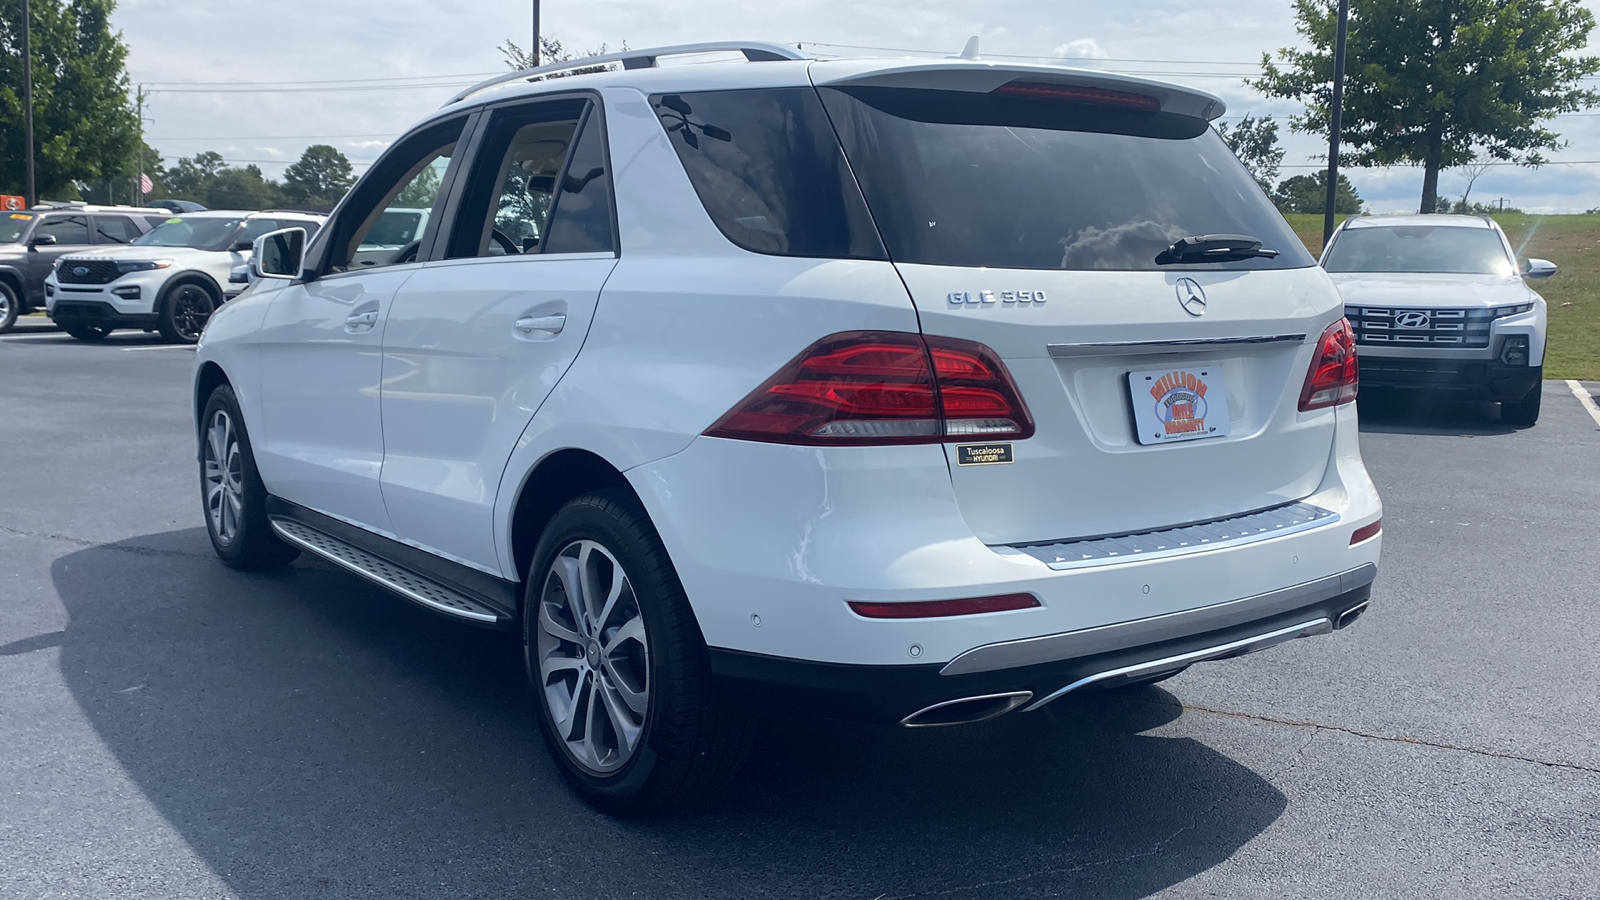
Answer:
(959, 178)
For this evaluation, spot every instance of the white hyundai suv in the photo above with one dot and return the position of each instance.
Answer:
(1440, 304)
(915, 391)
(170, 279)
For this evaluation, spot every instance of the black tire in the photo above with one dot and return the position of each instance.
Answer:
(1524, 413)
(695, 734)
(251, 545)
(89, 333)
(10, 307)
(185, 309)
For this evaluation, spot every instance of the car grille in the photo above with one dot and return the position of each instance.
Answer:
(1445, 327)
(94, 271)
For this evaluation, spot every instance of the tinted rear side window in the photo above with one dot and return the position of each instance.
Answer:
(768, 169)
(964, 179)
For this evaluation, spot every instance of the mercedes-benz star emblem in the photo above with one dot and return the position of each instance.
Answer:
(1411, 319)
(1191, 297)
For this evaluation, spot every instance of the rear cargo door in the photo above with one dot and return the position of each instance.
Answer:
(1030, 221)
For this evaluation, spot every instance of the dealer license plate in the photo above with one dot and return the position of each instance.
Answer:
(1184, 403)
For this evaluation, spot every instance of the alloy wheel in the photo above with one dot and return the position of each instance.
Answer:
(191, 309)
(224, 477)
(593, 658)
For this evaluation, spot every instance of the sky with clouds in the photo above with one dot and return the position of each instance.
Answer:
(194, 55)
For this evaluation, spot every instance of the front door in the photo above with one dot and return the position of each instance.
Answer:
(477, 340)
(71, 233)
(321, 444)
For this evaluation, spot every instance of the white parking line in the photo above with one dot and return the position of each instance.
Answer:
(1584, 398)
(31, 337)
(159, 347)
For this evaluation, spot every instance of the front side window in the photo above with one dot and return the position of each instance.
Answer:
(1035, 179)
(409, 180)
(768, 169)
(195, 232)
(257, 227)
(66, 229)
(1447, 249)
(115, 229)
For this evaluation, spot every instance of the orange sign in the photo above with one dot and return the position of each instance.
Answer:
(12, 201)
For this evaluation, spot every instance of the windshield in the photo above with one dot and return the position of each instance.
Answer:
(966, 179)
(12, 227)
(1444, 249)
(198, 233)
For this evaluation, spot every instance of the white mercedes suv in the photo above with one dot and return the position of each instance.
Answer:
(171, 279)
(916, 391)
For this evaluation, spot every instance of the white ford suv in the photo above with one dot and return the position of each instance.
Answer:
(170, 279)
(917, 391)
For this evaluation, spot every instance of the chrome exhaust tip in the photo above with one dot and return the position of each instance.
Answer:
(967, 710)
(1352, 614)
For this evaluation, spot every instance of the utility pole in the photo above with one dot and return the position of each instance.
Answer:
(27, 98)
(1335, 110)
(533, 52)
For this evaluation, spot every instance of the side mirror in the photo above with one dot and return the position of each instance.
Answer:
(1539, 268)
(279, 254)
(242, 245)
(42, 240)
(239, 275)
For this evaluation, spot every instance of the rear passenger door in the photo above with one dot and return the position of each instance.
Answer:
(478, 338)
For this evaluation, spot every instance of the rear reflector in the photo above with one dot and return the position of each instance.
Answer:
(933, 609)
(1366, 532)
(880, 387)
(1067, 93)
(1332, 380)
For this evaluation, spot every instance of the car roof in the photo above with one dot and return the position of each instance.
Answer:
(1414, 220)
(242, 214)
(639, 71)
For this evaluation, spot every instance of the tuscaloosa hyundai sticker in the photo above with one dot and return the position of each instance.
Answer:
(1180, 404)
(983, 454)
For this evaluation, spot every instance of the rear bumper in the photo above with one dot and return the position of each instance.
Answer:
(1485, 380)
(1040, 670)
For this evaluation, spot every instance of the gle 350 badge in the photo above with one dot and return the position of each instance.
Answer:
(1179, 404)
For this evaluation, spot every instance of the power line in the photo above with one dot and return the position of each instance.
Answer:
(280, 137)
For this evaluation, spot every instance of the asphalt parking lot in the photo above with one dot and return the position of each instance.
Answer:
(172, 729)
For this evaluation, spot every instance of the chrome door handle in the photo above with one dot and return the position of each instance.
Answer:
(370, 317)
(552, 324)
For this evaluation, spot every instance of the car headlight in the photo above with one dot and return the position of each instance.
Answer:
(1500, 312)
(143, 265)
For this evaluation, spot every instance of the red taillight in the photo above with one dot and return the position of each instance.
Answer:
(873, 387)
(933, 609)
(1366, 532)
(1067, 93)
(1332, 379)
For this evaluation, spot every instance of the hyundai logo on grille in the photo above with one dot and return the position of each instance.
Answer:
(80, 270)
(1191, 297)
(1411, 319)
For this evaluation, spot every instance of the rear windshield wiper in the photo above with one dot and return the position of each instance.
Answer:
(1202, 248)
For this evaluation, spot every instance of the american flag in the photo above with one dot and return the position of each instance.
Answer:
(145, 185)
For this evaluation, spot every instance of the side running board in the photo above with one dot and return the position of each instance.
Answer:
(408, 584)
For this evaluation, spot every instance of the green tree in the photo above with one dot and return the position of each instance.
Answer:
(1255, 142)
(552, 51)
(1309, 194)
(118, 186)
(1434, 82)
(191, 179)
(84, 126)
(244, 188)
(320, 178)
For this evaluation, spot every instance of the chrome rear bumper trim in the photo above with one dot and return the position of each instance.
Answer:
(1279, 521)
(1240, 647)
(1154, 629)
(1151, 348)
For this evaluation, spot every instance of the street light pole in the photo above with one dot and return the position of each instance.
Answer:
(1335, 110)
(27, 99)
(533, 52)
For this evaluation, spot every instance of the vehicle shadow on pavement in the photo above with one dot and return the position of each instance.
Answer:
(1407, 412)
(309, 735)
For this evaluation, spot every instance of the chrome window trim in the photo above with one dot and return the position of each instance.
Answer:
(1117, 348)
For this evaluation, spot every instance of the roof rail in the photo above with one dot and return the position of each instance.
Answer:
(754, 51)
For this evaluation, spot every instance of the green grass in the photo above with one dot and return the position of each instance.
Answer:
(1571, 242)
